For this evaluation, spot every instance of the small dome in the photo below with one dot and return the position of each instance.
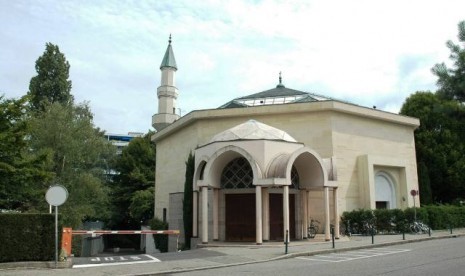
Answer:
(253, 130)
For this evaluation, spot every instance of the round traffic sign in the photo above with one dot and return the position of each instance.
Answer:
(413, 192)
(56, 195)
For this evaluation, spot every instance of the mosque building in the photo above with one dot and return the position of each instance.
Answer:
(268, 163)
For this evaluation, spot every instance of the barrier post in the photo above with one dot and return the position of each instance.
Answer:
(66, 240)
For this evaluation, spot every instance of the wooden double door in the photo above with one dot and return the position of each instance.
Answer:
(240, 217)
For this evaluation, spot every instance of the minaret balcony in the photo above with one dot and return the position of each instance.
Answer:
(162, 120)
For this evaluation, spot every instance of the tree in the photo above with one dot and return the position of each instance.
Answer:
(134, 183)
(23, 175)
(141, 207)
(187, 202)
(80, 156)
(451, 81)
(51, 83)
(440, 143)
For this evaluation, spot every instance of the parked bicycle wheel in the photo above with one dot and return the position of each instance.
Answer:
(414, 228)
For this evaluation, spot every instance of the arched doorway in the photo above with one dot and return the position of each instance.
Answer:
(385, 191)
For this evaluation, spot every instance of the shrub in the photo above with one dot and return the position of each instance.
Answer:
(396, 220)
(161, 241)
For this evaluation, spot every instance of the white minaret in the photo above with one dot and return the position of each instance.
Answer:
(167, 92)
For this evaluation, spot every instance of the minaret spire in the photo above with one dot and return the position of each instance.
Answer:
(167, 92)
(168, 59)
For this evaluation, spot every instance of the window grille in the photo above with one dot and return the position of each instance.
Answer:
(237, 175)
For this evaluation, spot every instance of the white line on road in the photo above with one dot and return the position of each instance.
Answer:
(355, 255)
(153, 260)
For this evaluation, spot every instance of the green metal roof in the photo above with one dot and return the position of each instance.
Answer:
(279, 91)
(168, 59)
(278, 95)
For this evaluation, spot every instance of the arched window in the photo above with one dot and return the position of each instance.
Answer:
(237, 174)
(385, 192)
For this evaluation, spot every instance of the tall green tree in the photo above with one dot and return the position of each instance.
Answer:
(440, 144)
(451, 81)
(133, 185)
(23, 175)
(80, 158)
(187, 214)
(51, 83)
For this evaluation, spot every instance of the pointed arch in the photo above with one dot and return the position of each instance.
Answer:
(224, 155)
(309, 166)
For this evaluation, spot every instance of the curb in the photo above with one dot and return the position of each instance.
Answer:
(37, 265)
(298, 254)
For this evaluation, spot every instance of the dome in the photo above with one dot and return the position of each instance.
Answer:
(253, 130)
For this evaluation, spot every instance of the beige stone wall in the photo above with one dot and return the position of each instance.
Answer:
(354, 136)
(170, 167)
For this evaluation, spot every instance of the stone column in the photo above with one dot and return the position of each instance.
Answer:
(204, 215)
(326, 199)
(304, 197)
(266, 213)
(336, 214)
(258, 215)
(286, 211)
(215, 213)
(195, 214)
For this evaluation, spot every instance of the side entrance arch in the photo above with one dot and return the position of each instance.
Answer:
(385, 191)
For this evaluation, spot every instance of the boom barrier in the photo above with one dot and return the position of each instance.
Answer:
(69, 232)
(123, 232)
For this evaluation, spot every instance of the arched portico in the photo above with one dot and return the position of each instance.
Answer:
(233, 168)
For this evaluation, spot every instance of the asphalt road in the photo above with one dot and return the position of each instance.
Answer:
(436, 257)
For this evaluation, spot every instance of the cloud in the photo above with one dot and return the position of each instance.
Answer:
(366, 52)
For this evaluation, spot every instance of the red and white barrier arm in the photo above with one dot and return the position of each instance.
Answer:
(124, 232)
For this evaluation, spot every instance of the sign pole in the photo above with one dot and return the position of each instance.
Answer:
(56, 196)
(56, 236)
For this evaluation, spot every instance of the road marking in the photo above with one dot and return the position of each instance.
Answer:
(353, 255)
(97, 259)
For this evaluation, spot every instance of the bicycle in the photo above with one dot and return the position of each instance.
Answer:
(418, 227)
(312, 228)
(368, 228)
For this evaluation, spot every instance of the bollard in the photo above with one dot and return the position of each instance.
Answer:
(372, 235)
(450, 227)
(286, 241)
(403, 234)
(429, 231)
(332, 236)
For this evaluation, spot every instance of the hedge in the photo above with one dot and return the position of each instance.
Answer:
(27, 237)
(396, 220)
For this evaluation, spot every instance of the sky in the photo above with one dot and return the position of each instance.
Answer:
(370, 53)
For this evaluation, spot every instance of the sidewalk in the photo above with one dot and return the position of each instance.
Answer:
(218, 254)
